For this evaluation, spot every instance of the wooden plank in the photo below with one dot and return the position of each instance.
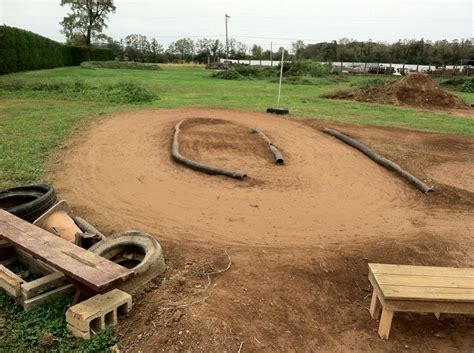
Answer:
(34, 265)
(32, 303)
(422, 306)
(33, 288)
(394, 292)
(421, 270)
(425, 281)
(85, 267)
(10, 282)
(8, 261)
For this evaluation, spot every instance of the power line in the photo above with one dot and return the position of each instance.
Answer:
(354, 19)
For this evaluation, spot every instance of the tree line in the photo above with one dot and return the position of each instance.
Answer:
(138, 47)
(438, 53)
(87, 19)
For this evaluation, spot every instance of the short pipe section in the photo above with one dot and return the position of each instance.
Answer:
(276, 152)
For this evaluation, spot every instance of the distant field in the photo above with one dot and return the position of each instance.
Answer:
(34, 120)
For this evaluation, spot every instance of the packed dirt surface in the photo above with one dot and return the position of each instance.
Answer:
(277, 262)
(416, 90)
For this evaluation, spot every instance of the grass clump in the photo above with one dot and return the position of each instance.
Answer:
(44, 329)
(370, 83)
(241, 72)
(118, 92)
(298, 72)
(229, 74)
(130, 65)
(128, 92)
(256, 72)
(468, 85)
(303, 68)
(310, 81)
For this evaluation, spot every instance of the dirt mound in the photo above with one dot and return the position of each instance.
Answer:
(416, 90)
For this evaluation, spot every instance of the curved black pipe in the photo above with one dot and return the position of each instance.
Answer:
(201, 167)
(379, 159)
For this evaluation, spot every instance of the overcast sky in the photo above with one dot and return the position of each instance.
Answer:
(262, 21)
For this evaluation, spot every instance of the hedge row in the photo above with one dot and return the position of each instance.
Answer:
(22, 50)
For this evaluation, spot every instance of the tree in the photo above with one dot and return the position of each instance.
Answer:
(257, 52)
(297, 48)
(156, 49)
(238, 50)
(115, 46)
(184, 47)
(209, 49)
(131, 47)
(87, 18)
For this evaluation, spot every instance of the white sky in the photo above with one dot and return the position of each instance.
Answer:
(262, 21)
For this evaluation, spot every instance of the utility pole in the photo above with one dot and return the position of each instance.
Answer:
(226, 37)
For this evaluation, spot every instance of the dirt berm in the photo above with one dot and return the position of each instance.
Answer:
(416, 90)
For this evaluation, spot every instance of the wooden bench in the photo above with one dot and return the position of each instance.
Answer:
(90, 273)
(419, 289)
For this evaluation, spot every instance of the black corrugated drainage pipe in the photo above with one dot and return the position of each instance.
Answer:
(380, 160)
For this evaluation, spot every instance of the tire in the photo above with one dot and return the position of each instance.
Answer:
(86, 227)
(28, 202)
(278, 111)
(122, 247)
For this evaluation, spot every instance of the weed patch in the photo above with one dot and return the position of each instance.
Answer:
(305, 68)
(370, 83)
(230, 74)
(119, 92)
(468, 85)
(130, 65)
(44, 329)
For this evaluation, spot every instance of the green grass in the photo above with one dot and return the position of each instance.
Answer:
(40, 109)
(43, 330)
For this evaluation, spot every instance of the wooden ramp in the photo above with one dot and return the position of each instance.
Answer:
(89, 272)
(419, 289)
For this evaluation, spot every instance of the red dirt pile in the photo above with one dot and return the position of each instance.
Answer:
(416, 90)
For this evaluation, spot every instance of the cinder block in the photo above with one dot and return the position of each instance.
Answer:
(78, 333)
(97, 313)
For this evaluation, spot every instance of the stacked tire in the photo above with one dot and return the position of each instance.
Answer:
(28, 202)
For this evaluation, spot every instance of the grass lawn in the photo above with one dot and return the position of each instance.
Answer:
(37, 119)
(33, 121)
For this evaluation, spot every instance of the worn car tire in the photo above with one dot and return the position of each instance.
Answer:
(86, 227)
(278, 111)
(28, 202)
(121, 247)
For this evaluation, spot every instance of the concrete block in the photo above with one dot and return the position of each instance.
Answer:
(99, 312)
(78, 333)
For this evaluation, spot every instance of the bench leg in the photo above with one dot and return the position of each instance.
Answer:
(375, 306)
(385, 323)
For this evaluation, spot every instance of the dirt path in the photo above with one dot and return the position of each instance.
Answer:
(299, 235)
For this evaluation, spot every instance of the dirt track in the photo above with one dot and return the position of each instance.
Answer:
(299, 235)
